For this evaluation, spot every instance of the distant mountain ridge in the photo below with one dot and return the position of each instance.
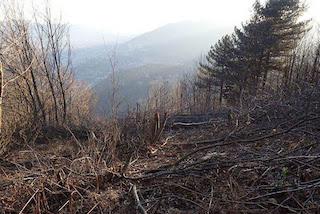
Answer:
(163, 54)
(174, 31)
(181, 43)
(84, 37)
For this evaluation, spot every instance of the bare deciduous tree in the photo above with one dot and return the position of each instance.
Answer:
(36, 57)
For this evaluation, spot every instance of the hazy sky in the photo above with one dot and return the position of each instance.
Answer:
(138, 16)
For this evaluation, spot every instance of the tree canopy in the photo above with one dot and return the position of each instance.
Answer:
(242, 62)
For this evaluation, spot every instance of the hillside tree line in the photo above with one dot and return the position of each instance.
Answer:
(275, 51)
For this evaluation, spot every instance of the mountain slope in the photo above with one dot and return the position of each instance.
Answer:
(134, 82)
(83, 37)
(173, 43)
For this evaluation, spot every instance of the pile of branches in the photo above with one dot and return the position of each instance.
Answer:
(73, 172)
(262, 158)
(267, 161)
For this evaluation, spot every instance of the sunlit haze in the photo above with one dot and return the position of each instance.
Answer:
(138, 16)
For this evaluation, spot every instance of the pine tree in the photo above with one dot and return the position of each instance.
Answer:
(240, 64)
(284, 29)
(218, 70)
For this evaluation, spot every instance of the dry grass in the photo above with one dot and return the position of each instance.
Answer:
(262, 159)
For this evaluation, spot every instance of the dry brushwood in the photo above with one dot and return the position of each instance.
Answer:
(158, 126)
(270, 163)
(266, 160)
(136, 197)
